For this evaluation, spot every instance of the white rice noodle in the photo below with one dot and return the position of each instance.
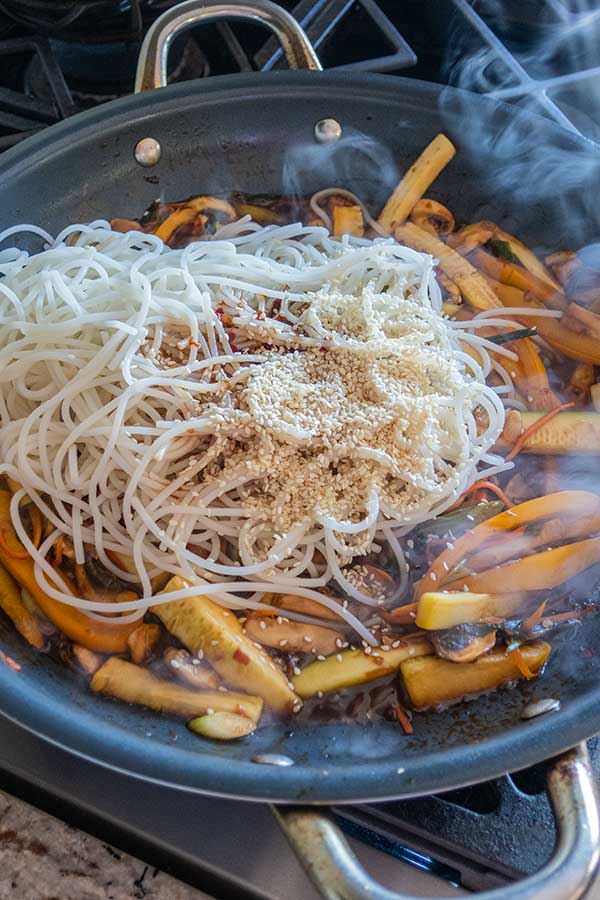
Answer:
(112, 443)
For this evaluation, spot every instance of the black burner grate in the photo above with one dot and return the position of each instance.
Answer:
(21, 113)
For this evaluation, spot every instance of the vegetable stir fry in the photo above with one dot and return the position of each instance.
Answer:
(489, 583)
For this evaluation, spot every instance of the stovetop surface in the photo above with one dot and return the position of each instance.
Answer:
(543, 54)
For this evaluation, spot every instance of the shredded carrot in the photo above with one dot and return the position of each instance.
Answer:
(535, 618)
(571, 616)
(15, 554)
(521, 664)
(404, 720)
(524, 437)
(36, 522)
(9, 661)
(484, 486)
(402, 614)
(58, 549)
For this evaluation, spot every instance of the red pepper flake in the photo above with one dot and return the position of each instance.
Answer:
(9, 661)
(241, 657)
(194, 344)
(402, 717)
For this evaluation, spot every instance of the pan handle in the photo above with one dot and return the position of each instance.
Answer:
(152, 64)
(338, 875)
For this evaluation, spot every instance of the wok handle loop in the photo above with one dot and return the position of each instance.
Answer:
(338, 875)
(152, 64)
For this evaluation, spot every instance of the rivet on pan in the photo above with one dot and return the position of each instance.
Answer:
(539, 707)
(327, 131)
(273, 759)
(147, 152)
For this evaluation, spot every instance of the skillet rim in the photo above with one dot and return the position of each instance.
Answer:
(76, 731)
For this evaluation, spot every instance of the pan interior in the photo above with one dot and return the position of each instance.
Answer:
(522, 171)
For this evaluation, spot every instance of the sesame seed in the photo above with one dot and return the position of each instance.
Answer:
(214, 643)
(283, 642)
(339, 657)
(210, 711)
(262, 624)
(433, 576)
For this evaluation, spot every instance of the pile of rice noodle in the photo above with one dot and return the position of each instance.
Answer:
(99, 431)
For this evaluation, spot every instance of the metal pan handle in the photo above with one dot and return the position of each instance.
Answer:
(338, 875)
(152, 64)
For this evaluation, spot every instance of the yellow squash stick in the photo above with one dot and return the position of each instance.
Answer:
(134, 684)
(430, 680)
(572, 344)
(564, 504)
(208, 629)
(416, 181)
(538, 572)
(471, 283)
(348, 220)
(24, 621)
(437, 610)
(102, 637)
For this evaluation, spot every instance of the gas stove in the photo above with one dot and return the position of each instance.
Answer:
(61, 56)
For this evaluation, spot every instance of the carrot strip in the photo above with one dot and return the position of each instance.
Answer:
(508, 273)
(567, 504)
(14, 554)
(535, 618)
(58, 549)
(524, 437)
(521, 664)
(402, 615)
(484, 486)
(404, 720)
(36, 521)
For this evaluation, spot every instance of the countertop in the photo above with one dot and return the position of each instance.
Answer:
(41, 858)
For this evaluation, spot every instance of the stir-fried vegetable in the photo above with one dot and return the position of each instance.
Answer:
(569, 505)
(538, 572)
(133, 684)
(484, 578)
(437, 610)
(103, 637)
(355, 667)
(416, 181)
(568, 432)
(472, 285)
(430, 680)
(222, 726)
(11, 603)
(208, 630)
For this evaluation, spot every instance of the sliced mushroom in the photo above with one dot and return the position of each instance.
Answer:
(86, 659)
(190, 671)
(303, 605)
(433, 217)
(372, 581)
(464, 643)
(293, 637)
(142, 643)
